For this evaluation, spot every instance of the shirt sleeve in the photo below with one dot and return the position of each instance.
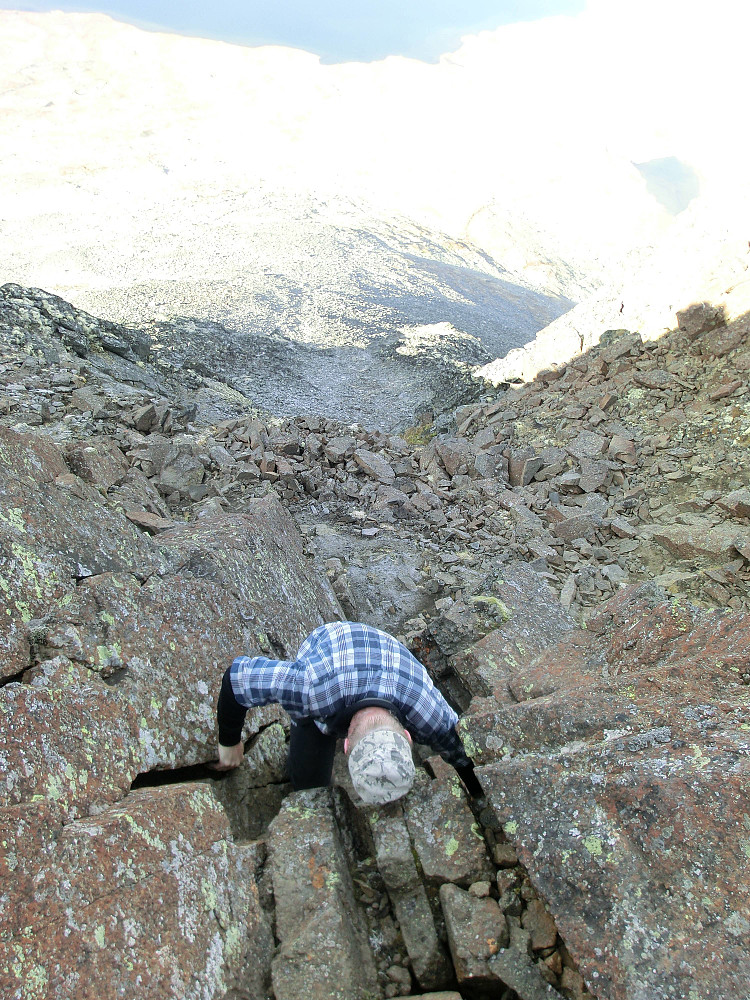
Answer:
(257, 680)
(451, 749)
(230, 715)
(432, 721)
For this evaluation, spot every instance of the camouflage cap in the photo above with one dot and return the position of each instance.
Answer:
(381, 766)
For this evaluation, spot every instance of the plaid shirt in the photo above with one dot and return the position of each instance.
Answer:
(339, 667)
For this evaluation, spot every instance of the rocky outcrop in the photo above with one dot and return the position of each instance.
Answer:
(149, 895)
(620, 775)
(113, 652)
(146, 540)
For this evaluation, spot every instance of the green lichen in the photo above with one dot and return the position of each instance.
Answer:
(35, 983)
(151, 839)
(235, 941)
(469, 745)
(302, 812)
(417, 436)
(700, 760)
(14, 517)
(28, 564)
(511, 828)
(99, 935)
(455, 788)
(594, 846)
(104, 657)
(503, 608)
(54, 787)
(210, 896)
(451, 847)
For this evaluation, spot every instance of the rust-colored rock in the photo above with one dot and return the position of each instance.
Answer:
(100, 463)
(477, 929)
(700, 318)
(149, 897)
(67, 739)
(701, 540)
(152, 523)
(324, 952)
(396, 862)
(623, 787)
(116, 643)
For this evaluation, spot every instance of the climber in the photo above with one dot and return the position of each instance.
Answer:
(354, 681)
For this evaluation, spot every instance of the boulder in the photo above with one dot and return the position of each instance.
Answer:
(736, 503)
(523, 465)
(702, 539)
(149, 896)
(700, 318)
(56, 748)
(324, 951)
(514, 967)
(577, 525)
(445, 836)
(338, 449)
(535, 620)
(621, 782)
(588, 444)
(374, 466)
(52, 535)
(100, 463)
(456, 454)
(477, 929)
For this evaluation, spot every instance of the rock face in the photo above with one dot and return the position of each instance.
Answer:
(148, 895)
(621, 777)
(112, 654)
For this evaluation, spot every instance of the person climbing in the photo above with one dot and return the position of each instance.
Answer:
(349, 680)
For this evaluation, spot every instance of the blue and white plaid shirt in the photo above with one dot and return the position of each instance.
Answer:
(341, 666)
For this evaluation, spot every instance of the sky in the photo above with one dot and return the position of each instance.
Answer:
(335, 30)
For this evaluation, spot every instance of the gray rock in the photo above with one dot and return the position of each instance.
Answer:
(395, 859)
(514, 967)
(477, 930)
(536, 621)
(374, 466)
(443, 831)
(700, 318)
(523, 466)
(588, 444)
(324, 952)
(456, 454)
(736, 503)
(337, 449)
(577, 526)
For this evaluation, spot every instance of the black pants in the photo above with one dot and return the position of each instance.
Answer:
(310, 755)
